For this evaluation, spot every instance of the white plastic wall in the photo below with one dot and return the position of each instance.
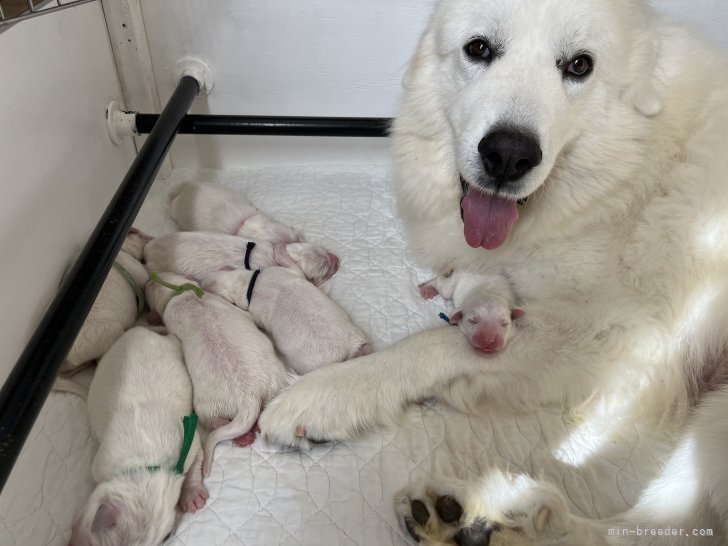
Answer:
(58, 167)
(289, 57)
(310, 57)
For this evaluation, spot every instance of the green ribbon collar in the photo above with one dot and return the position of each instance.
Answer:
(141, 301)
(178, 289)
(189, 426)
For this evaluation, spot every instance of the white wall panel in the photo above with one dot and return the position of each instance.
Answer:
(58, 167)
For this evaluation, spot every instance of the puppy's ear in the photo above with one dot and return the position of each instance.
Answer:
(456, 318)
(517, 313)
(642, 91)
(281, 256)
(106, 516)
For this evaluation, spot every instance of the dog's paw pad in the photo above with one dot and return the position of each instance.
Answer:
(411, 529)
(420, 512)
(448, 509)
(476, 534)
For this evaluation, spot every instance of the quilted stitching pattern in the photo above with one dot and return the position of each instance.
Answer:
(340, 494)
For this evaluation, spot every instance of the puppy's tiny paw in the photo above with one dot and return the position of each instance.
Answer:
(428, 291)
(193, 498)
(247, 439)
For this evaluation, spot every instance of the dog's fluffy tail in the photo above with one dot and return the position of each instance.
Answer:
(242, 423)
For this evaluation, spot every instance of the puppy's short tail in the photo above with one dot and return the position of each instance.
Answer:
(242, 423)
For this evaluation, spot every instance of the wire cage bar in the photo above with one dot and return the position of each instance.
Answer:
(36, 9)
(273, 125)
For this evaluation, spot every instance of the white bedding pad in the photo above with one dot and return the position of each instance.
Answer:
(338, 494)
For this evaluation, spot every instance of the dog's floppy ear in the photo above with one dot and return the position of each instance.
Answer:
(420, 64)
(456, 318)
(642, 91)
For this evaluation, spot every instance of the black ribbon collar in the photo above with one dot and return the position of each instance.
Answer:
(251, 286)
(248, 250)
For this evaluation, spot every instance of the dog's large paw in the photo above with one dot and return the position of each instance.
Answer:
(321, 406)
(500, 510)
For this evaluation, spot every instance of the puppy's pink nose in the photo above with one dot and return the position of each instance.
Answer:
(487, 341)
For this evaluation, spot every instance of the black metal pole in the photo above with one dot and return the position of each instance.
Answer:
(27, 388)
(271, 125)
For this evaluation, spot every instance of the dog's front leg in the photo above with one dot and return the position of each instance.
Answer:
(343, 400)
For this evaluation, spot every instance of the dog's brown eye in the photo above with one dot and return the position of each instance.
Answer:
(479, 49)
(579, 67)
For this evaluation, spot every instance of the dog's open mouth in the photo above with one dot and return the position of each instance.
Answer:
(488, 218)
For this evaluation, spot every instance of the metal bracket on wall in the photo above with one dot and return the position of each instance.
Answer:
(122, 124)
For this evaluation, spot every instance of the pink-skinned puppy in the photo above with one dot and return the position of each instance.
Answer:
(483, 308)
(196, 254)
(306, 326)
(137, 401)
(205, 206)
(233, 365)
(116, 307)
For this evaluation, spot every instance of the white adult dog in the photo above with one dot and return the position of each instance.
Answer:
(579, 149)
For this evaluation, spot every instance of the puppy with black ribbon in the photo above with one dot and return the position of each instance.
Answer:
(197, 254)
(307, 327)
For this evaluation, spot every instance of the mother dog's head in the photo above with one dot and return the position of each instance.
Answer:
(505, 97)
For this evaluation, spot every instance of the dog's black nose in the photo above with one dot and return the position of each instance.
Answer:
(508, 154)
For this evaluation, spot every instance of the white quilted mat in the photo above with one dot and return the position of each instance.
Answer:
(335, 494)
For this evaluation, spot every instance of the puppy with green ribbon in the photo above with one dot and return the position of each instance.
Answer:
(119, 303)
(149, 458)
(233, 365)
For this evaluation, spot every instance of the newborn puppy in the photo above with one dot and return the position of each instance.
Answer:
(137, 401)
(200, 206)
(120, 301)
(482, 308)
(233, 365)
(196, 254)
(307, 327)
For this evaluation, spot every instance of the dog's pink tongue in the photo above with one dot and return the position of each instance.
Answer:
(488, 219)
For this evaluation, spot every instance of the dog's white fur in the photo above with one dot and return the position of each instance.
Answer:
(196, 254)
(233, 366)
(115, 309)
(484, 307)
(620, 255)
(139, 395)
(205, 206)
(307, 327)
